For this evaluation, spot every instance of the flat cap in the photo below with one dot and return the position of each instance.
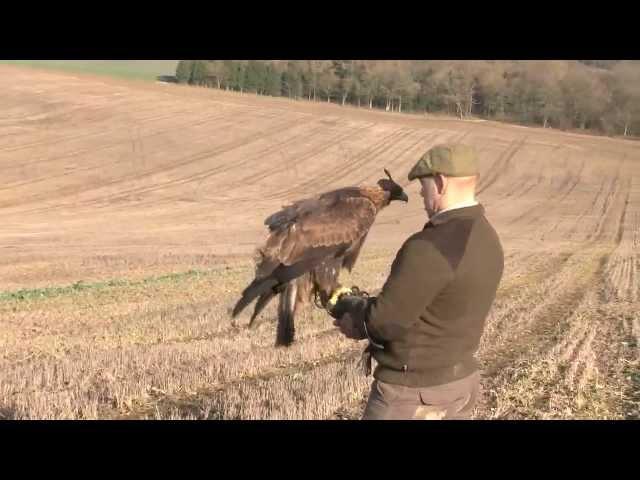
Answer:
(446, 159)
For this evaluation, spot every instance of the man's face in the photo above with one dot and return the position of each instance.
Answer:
(431, 196)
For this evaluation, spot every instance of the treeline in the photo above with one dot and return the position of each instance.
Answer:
(598, 95)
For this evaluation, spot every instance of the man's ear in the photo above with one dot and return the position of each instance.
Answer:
(441, 183)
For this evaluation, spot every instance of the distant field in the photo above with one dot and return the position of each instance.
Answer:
(139, 69)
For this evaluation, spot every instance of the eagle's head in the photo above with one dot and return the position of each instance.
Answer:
(396, 192)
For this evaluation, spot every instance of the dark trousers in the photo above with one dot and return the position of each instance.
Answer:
(455, 400)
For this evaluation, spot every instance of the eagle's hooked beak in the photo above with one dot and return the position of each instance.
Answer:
(404, 197)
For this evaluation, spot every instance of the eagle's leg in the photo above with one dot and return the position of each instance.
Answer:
(305, 291)
(325, 280)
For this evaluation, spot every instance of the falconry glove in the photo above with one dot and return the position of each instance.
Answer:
(356, 303)
(346, 299)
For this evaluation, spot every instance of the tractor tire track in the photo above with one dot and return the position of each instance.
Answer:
(101, 133)
(74, 190)
(191, 403)
(268, 150)
(358, 161)
(400, 156)
(531, 215)
(77, 153)
(211, 153)
(302, 157)
(560, 302)
(97, 149)
(501, 164)
(217, 169)
(305, 186)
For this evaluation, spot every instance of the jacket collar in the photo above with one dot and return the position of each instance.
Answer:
(463, 212)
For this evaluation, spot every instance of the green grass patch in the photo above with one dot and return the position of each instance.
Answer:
(80, 286)
(132, 69)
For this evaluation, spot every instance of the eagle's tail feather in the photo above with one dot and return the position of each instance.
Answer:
(286, 313)
(262, 302)
(255, 289)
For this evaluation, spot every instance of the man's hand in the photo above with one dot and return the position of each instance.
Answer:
(350, 327)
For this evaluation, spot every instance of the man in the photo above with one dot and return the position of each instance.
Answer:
(425, 325)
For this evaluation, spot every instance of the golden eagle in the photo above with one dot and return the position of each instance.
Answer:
(309, 242)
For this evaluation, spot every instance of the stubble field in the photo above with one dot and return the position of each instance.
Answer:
(130, 212)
